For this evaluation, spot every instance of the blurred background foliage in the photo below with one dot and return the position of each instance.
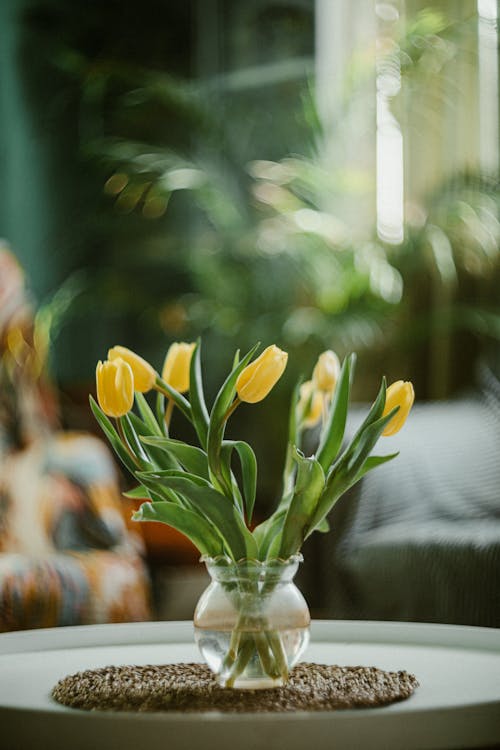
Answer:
(198, 192)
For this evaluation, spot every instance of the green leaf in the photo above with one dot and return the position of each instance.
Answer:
(323, 527)
(334, 488)
(159, 457)
(294, 441)
(348, 471)
(158, 494)
(179, 400)
(360, 448)
(229, 481)
(129, 422)
(158, 490)
(333, 432)
(217, 423)
(193, 459)
(372, 462)
(189, 523)
(137, 493)
(221, 513)
(160, 413)
(165, 474)
(266, 532)
(375, 413)
(275, 546)
(248, 471)
(226, 394)
(308, 487)
(112, 436)
(197, 398)
(147, 415)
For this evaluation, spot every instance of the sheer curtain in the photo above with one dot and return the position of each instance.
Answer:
(406, 131)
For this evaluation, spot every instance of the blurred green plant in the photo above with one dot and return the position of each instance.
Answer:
(240, 248)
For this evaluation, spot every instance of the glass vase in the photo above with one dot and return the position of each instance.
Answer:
(251, 623)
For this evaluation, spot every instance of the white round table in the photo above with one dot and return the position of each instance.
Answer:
(456, 706)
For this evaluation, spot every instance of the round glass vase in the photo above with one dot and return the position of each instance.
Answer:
(251, 623)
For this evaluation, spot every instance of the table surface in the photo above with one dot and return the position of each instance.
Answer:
(456, 706)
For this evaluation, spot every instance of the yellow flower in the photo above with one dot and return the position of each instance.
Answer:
(257, 379)
(115, 387)
(314, 398)
(326, 372)
(176, 366)
(144, 374)
(399, 394)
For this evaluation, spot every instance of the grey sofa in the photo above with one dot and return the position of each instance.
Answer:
(419, 538)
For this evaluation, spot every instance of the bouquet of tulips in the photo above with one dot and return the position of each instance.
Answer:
(194, 488)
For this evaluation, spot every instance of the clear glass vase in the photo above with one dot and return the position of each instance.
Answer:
(251, 623)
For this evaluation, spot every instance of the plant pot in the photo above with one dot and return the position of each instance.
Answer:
(252, 622)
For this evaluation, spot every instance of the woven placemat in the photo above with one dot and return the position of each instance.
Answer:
(191, 687)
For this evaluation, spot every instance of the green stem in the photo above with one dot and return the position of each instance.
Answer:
(168, 412)
(288, 473)
(182, 403)
(278, 651)
(232, 408)
(124, 439)
(269, 665)
(252, 635)
(245, 652)
(232, 653)
(324, 410)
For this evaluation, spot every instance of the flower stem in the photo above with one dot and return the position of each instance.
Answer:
(266, 657)
(168, 412)
(245, 653)
(232, 408)
(124, 439)
(278, 651)
(232, 653)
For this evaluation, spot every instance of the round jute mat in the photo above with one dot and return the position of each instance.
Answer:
(191, 687)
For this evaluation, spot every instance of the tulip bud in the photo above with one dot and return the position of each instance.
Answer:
(399, 394)
(144, 374)
(326, 372)
(176, 366)
(115, 387)
(310, 397)
(257, 379)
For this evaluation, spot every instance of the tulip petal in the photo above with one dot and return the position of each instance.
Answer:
(326, 371)
(259, 377)
(176, 367)
(115, 387)
(401, 395)
(144, 374)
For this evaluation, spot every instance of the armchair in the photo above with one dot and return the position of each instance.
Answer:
(66, 555)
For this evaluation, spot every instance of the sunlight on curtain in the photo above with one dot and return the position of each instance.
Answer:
(487, 11)
(389, 160)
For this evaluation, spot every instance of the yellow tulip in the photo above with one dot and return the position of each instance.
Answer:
(400, 394)
(257, 379)
(176, 366)
(314, 398)
(115, 387)
(326, 372)
(144, 374)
